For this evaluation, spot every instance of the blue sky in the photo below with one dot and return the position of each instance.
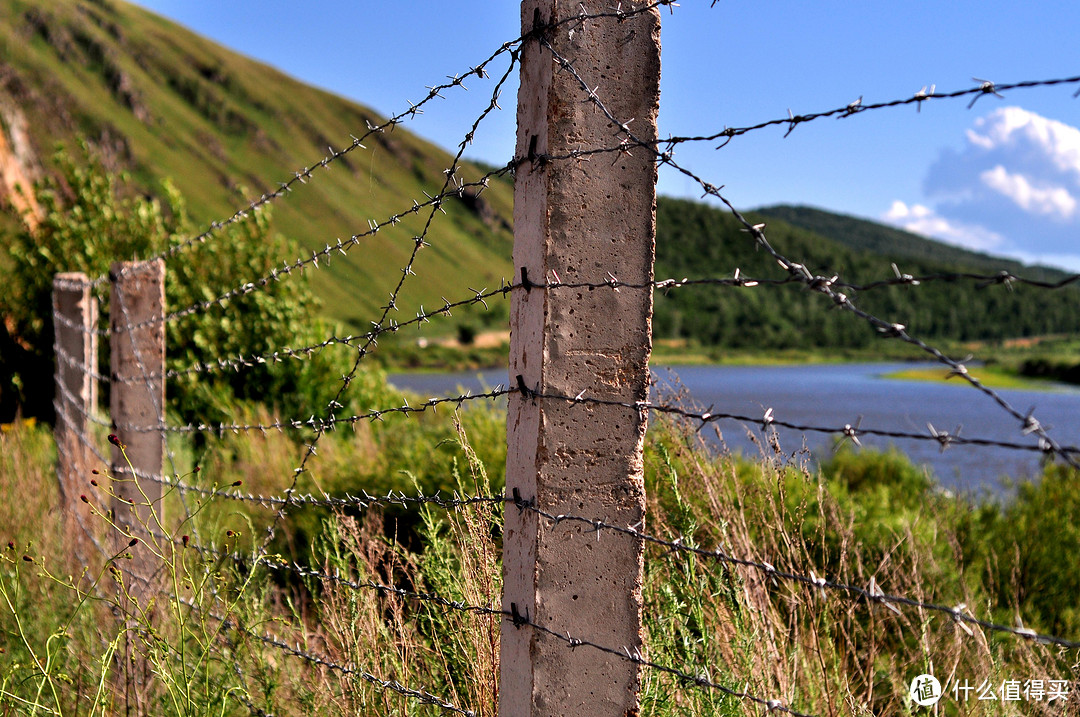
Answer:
(1002, 177)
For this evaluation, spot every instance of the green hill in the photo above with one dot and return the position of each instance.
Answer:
(899, 245)
(694, 240)
(159, 101)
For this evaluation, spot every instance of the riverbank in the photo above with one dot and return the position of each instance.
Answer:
(989, 376)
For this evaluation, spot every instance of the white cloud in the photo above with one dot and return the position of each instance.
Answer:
(922, 220)
(1013, 189)
(1010, 127)
(1050, 201)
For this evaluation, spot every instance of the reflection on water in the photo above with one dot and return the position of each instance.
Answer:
(832, 396)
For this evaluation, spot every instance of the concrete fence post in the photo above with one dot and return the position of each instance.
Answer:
(137, 400)
(75, 344)
(579, 222)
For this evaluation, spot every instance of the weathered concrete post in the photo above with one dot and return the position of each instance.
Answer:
(137, 333)
(579, 221)
(75, 342)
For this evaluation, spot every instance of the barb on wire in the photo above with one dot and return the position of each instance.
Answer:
(872, 593)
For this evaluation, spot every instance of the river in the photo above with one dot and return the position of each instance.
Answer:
(835, 395)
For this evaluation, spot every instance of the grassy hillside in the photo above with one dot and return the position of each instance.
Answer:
(160, 101)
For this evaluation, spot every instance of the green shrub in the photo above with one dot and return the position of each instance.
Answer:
(92, 220)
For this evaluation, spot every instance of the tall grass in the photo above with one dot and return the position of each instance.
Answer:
(337, 615)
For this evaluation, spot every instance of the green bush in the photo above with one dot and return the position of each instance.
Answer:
(91, 220)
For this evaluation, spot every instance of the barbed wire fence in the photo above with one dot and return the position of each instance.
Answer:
(564, 639)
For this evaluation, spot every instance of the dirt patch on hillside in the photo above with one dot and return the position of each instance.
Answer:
(17, 164)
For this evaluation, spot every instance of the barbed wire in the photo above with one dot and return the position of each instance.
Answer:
(67, 359)
(871, 593)
(434, 91)
(699, 680)
(324, 255)
(302, 263)
(310, 500)
(513, 616)
(824, 285)
(71, 399)
(60, 318)
(316, 424)
(858, 107)
(768, 419)
(296, 650)
(419, 243)
(1004, 278)
(303, 175)
(240, 361)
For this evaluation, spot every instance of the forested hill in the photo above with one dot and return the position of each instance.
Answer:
(698, 241)
(865, 235)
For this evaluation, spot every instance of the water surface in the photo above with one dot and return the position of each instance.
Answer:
(832, 396)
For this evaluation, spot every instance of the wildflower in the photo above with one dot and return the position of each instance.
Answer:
(84, 499)
(134, 541)
(27, 558)
(93, 482)
(237, 483)
(115, 440)
(186, 539)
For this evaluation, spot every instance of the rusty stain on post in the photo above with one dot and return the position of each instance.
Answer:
(583, 221)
